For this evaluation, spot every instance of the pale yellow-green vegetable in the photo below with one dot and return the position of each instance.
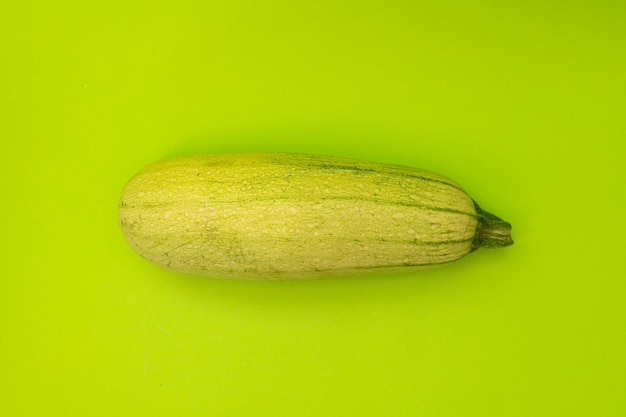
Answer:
(294, 216)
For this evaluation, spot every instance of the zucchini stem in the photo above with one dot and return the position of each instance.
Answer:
(491, 232)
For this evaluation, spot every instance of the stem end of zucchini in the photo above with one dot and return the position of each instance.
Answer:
(492, 232)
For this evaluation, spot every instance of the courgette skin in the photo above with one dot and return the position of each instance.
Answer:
(296, 216)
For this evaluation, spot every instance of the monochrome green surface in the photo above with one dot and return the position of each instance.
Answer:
(522, 105)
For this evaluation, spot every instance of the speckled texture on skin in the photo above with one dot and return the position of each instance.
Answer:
(293, 216)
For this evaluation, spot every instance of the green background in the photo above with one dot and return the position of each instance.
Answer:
(523, 103)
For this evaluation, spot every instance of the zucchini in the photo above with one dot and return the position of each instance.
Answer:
(295, 216)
